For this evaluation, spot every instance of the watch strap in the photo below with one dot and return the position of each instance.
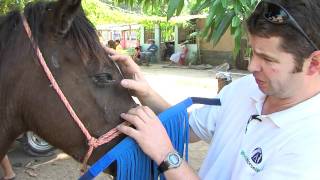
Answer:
(164, 166)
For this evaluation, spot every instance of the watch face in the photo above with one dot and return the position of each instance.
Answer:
(174, 159)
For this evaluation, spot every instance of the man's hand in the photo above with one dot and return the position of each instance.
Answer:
(154, 140)
(149, 132)
(136, 81)
(140, 87)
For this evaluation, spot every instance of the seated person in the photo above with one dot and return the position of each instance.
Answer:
(111, 44)
(151, 51)
(119, 48)
(179, 57)
(137, 54)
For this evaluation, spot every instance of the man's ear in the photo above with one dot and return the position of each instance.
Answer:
(314, 66)
(65, 12)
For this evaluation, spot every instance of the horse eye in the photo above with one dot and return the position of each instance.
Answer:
(49, 7)
(103, 79)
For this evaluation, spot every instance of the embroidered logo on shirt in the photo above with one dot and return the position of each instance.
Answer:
(246, 158)
(257, 155)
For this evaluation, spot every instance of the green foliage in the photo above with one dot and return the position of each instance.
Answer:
(149, 7)
(157, 7)
(175, 6)
(167, 31)
(99, 13)
(222, 14)
(9, 5)
(167, 28)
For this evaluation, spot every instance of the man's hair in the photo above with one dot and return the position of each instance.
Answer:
(117, 41)
(306, 13)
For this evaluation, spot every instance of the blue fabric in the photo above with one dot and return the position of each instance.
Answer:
(132, 163)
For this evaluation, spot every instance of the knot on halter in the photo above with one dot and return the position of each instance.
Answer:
(93, 142)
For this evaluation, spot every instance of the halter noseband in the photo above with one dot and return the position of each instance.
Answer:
(93, 142)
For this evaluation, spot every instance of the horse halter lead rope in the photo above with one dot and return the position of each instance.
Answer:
(92, 141)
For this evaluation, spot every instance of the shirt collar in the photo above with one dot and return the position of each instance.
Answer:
(302, 110)
(290, 115)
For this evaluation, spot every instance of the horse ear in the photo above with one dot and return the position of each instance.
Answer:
(65, 12)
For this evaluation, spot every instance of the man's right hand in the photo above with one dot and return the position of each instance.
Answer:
(136, 82)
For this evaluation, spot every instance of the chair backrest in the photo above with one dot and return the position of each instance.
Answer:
(144, 47)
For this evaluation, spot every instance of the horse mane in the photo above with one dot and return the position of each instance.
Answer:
(82, 32)
(8, 27)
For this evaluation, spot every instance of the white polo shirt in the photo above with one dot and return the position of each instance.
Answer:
(284, 145)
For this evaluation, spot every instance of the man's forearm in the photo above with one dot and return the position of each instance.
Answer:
(155, 102)
(183, 172)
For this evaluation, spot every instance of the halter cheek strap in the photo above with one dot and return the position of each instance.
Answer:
(92, 141)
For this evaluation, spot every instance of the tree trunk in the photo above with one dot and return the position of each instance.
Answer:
(242, 61)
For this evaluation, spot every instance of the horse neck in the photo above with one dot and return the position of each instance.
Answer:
(11, 124)
(14, 57)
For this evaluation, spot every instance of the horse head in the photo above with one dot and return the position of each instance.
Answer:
(81, 67)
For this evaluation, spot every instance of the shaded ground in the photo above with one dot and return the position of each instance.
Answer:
(175, 84)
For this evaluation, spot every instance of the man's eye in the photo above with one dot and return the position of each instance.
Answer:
(268, 59)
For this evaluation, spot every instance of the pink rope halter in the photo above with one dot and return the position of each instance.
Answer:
(92, 141)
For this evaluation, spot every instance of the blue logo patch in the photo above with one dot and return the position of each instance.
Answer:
(257, 155)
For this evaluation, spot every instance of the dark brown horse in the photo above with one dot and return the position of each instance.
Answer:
(88, 78)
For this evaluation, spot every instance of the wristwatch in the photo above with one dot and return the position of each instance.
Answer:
(172, 160)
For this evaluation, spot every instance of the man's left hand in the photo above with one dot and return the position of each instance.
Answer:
(148, 132)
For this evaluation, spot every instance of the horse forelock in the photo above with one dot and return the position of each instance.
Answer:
(8, 27)
(86, 39)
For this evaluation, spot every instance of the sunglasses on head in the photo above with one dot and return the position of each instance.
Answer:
(277, 14)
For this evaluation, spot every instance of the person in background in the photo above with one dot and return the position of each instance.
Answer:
(153, 48)
(150, 52)
(111, 44)
(137, 53)
(180, 56)
(7, 169)
(118, 46)
(267, 127)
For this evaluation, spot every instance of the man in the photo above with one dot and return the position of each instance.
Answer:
(268, 124)
(150, 52)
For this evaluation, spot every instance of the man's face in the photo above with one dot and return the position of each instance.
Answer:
(273, 68)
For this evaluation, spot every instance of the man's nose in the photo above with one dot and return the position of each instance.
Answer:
(254, 65)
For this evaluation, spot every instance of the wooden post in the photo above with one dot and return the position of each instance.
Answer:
(142, 32)
(157, 39)
(176, 38)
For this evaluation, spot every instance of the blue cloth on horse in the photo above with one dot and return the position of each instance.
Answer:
(132, 163)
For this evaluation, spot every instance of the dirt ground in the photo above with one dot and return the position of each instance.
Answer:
(174, 84)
